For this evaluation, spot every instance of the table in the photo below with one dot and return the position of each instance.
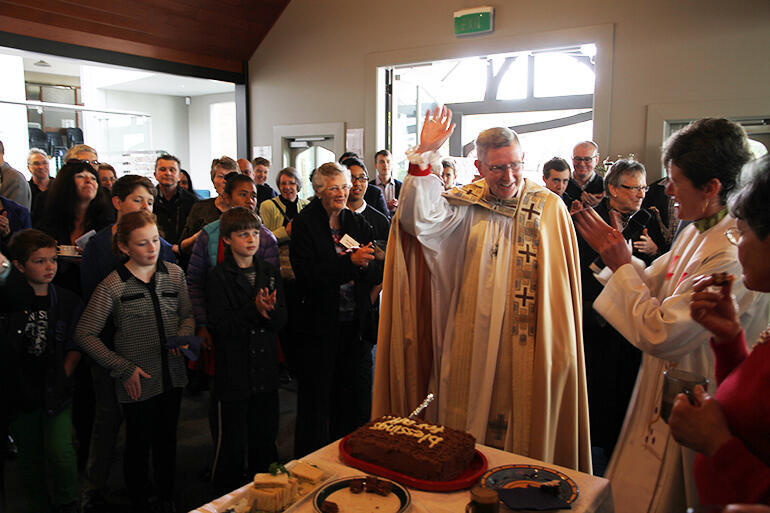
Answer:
(595, 492)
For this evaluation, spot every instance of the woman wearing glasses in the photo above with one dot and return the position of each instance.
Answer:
(650, 307)
(331, 254)
(730, 429)
(612, 363)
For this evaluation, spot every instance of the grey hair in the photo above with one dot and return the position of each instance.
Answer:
(291, 173)
(37, 151)
(619, 169)
(78, 148)
(328, 170)
(498, 137)
(749, 201)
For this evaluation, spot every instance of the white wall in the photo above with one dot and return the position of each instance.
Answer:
(169, 119)
(314, 65)
(200, 138)
(13, 118)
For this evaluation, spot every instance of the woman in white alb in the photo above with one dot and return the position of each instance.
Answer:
(650, 307)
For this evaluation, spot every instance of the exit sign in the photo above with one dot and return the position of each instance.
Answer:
(478, 20)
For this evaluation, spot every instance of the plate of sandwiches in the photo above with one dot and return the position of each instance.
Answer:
(281, 490)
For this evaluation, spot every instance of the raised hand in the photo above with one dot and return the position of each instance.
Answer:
(436, 129)
(715, 310)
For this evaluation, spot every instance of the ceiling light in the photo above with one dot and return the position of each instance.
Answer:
(41, 63)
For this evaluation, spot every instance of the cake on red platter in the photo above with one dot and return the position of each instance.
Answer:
(413, 447)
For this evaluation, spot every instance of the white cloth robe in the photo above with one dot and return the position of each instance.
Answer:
(442, 230)
(651, 309)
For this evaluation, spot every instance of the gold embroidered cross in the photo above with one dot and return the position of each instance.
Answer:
(531, 210)
(527, 253)
(524, 297)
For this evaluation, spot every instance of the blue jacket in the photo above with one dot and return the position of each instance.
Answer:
(18, 219)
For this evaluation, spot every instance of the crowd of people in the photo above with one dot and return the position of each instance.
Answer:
(543, 316)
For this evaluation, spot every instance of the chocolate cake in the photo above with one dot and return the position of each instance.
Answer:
(413, 447)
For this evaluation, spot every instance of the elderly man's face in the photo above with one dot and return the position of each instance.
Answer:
(557, 181)
(38, 166)
(246, 168)
(584, 160)
(260, 174)
(501, 168)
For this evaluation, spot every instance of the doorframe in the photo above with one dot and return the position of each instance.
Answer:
(282, 134)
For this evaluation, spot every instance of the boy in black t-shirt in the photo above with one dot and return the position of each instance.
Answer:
(37, 358)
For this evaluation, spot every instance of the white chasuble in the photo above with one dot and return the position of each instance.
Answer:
(650, 307)
(505, 339)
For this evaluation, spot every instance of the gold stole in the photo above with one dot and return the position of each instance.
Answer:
(511, 402)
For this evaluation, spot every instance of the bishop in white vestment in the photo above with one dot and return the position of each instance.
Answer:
(492, 269)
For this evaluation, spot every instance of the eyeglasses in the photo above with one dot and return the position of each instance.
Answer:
(636, 188)
(85, 161)
(499, 168)
(733, 235)
(583, 159)
(361, 179)
(336, 188)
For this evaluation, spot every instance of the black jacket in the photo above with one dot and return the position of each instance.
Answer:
(18, 389)
(594, 186)
(376, 198)
(172, 213)
(245, 343)
(320, 270)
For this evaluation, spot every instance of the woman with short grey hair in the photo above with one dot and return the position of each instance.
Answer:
(331, 255)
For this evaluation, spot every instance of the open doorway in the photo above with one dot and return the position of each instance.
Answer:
(546, 96)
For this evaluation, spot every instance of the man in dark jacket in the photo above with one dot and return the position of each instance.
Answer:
(173, 203)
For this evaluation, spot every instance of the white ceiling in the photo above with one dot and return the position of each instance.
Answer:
(137, 81)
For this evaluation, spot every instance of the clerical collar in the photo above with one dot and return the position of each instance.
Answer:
(707, 222)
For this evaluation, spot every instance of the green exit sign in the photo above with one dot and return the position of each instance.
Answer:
(478, 20)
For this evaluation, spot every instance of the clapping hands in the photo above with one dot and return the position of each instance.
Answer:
(265, 302)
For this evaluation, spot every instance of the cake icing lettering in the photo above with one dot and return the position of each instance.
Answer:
(409, 427)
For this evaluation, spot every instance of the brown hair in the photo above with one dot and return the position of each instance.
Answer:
(127, 224)
(25, 242)
(237, 219)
